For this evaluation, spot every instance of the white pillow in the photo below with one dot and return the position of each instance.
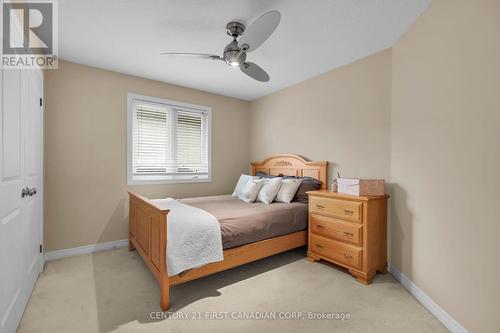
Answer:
(269, 190)
(250, 190)
(288, 189)
(241, 183)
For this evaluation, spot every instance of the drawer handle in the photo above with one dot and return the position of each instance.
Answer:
(348, 211)
(319, 206)
(319, 246)
(347, 256)
(348, 234)
(319, 226)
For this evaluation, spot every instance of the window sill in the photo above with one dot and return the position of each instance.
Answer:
(157, 180)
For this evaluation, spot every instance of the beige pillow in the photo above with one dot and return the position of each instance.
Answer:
(269, 190)
(251, 189)
(288, 189)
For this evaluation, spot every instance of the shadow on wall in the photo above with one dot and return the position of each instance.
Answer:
(126, 291)
(401, 230)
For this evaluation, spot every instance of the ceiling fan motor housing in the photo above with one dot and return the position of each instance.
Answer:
(234, 55)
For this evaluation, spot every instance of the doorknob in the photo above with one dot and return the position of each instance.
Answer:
(25, 192)
(28, 192)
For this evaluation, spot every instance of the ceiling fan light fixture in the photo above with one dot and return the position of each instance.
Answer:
(234, 55)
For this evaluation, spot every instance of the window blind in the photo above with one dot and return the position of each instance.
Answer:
(169, 141)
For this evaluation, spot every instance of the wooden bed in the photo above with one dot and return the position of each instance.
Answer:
(148, 229)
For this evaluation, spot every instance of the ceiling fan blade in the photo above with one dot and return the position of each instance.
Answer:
(254, 71)
(260, 30)
(193, 55)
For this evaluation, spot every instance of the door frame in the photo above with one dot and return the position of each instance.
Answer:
(42, 164)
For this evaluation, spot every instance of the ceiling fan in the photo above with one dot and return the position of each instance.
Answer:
(235, 53)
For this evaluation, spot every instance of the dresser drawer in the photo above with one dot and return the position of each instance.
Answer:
(338, 252)
(349, 210)
(337, 229)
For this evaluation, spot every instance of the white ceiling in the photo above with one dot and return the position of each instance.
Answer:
(313, 37)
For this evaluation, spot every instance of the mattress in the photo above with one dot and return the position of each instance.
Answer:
(243, 223)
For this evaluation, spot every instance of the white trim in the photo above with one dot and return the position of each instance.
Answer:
(444, 317)
(130, 123)
(87, 249)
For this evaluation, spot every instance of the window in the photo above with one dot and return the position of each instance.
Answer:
(168, 142)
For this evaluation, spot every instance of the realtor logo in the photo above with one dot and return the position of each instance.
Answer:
(29, 34)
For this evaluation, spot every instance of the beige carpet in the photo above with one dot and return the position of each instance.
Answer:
(114, 292)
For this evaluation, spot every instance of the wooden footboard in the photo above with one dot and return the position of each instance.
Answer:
(148, 235)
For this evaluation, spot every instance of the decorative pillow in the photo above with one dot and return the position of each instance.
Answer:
(269, 190)
(241, 183)
(289, 187)
(250, 190)
(308, 184)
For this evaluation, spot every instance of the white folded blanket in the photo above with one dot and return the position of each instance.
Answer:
(193, 237)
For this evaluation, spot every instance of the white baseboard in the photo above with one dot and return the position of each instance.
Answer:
(53, 255)
(443, 316)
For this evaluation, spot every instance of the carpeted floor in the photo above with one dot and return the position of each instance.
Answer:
(114, 292)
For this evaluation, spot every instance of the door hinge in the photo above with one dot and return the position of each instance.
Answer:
(41, 248)
(41, 101)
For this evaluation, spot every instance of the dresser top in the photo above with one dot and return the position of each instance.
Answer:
(330, 194)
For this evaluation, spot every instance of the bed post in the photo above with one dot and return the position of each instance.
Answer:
(148, 235)
(131, 223)
(164, 281)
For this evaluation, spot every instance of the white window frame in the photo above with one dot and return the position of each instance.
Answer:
(149, 180)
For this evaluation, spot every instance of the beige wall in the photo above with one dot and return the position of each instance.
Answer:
(342, 116)
(446, 159)
(85, 151)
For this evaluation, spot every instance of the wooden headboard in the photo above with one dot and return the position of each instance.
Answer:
(293, 165)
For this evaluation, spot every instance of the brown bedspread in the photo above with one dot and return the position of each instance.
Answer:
(243, 223)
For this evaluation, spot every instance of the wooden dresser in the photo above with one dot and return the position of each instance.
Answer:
(349, 231)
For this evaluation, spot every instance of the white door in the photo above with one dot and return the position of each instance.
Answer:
(20, 191)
